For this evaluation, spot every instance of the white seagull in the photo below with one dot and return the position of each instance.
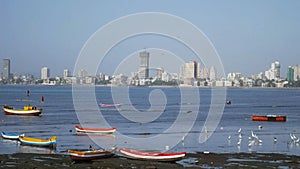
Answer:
(239, 142)
(240, 130)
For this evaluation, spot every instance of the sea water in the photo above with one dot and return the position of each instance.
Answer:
(149, 113)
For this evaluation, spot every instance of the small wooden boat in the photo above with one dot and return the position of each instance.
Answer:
(12, 136)
(276, 118)
(156, 156)
(26, 111)
(110, 105)
(38, 142)
(95, 130)
(90, 154)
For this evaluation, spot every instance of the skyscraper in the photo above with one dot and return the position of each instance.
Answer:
(212, 73)
(277, 69)
(45, 73)
(144, 65)
(290, 74)
(67, 73)
(6, 69)
(296, 72)
(274, 71)
(159, 72)
(189, 72)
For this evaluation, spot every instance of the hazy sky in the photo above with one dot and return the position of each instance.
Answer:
(248, 35)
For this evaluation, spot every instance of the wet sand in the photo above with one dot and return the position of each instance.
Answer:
(199, 160)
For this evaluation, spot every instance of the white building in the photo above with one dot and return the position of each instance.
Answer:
(234, 76)
(189, 72)
(274, 71)
(296, 72)
(119, 80)
(166, 77)
(159, 72)
(144, 65)
(212, 73)
(67, 73)
(204, 73)
(45, 73)
(82, 73)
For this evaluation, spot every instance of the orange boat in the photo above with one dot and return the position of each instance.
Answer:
(271, 117)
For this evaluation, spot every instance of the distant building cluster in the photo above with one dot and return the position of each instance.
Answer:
(191, 73)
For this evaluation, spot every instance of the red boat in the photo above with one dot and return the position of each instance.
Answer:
(95, 130)
(155, 156)
(278, 118)
(109, 105)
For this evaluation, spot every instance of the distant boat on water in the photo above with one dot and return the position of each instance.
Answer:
(26, 111)
(271, 117)
(110, 105)
(95, 130)
(228, 101)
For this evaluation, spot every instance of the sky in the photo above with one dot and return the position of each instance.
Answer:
(248, 35)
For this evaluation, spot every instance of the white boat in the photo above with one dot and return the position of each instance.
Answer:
(11, 136)
(26, 111)
(155, 156)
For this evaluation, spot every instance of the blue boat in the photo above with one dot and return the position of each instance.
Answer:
(12, 136)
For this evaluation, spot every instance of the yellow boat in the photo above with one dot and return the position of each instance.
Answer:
(26, 111)
(38, 142)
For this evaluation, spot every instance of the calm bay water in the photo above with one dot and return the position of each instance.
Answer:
(59, 118)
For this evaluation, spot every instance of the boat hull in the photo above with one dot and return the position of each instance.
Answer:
(95, 130)
(110, 105)
(51, 143)
(153, 156)
(273, 118)
(11, 136)
(87, 155)
(10, 111)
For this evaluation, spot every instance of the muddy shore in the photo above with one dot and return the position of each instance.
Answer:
(198, 160)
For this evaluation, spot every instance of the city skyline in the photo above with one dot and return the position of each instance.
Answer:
(191, 74)
(189, 69)
(32, 35)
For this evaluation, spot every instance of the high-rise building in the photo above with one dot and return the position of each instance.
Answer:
(204, 73)
(6, 69)
(212, 73)
(144, 65)
(45, 73)
(67, 73)
(296, 72)
(234, 76)
(274, 71)
(199, 71)
(82, 73)
(290, 73)
(189, 72)
(159, 72)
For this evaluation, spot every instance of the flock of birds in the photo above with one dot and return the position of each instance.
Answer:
(295, 140)
(255, 140)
